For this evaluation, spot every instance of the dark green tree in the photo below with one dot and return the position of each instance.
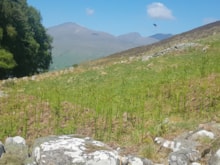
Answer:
(23, 36)
(7, 62)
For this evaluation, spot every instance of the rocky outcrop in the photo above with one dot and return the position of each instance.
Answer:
(177, 47)
(201, 146)
(76, 150)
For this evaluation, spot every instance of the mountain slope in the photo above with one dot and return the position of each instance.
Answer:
(136, 39)
(191, 35)
(161, 36)
(74, 44)
(128, 102)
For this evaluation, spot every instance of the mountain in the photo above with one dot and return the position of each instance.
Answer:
(73, 44)
(136, 39)
(161, 36)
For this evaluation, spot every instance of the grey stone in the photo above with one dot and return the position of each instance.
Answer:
(203, 134)
(131, 160)
(75, 150)
(176, 144)
(2, 149)
(16, 151)
(15, 140)
(215, 159)
(183, 157)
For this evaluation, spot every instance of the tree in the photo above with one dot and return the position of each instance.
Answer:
(7, 62)
(23, 35)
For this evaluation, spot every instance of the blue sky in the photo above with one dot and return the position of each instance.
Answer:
(123, 16)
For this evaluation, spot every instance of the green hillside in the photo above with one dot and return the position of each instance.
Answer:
(124, 99)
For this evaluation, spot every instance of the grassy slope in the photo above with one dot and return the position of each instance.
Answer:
(124, 104)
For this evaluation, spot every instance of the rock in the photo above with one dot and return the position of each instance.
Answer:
(70, 149)
(203, 134)
(215, 159)
(195, 163)
(137, 161)
(2, 149)
(16, 151)
(75, 150)
(183, 157)
(202, 144)
(15, 140)
(176, 144)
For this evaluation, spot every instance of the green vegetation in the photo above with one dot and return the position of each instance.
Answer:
(127, 104)
(7, 62)
(25, 48)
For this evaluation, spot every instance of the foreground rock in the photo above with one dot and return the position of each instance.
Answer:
(201, 146)
(75, 150)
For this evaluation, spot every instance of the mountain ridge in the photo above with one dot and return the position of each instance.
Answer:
(73, 44)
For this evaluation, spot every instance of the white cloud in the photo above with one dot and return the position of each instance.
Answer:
(90, 11)
(159, 11)
(209, 20)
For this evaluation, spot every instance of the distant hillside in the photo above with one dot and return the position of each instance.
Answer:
(191, 35)
(161, 36)
(136, 39)
(74, 44)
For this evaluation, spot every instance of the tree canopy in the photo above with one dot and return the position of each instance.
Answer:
(25, 47)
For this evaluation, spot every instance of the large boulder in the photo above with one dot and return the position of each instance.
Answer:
(76, 150)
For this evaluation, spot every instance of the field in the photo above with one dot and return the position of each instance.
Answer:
(124, 101)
